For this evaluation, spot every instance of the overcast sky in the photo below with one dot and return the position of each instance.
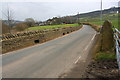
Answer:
(43, 9)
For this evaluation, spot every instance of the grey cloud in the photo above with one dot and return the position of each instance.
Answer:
(45, 10)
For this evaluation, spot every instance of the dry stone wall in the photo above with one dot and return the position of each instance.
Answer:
(11, 42)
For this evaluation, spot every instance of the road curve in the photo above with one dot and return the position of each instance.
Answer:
(50, 59)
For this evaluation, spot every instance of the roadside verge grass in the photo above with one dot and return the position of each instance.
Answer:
(104, 56)
(52, 26)
(114, 23)
(113, 18)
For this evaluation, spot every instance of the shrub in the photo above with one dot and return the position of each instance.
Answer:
(21, 26)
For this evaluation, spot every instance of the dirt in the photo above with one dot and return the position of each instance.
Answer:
(103, 69)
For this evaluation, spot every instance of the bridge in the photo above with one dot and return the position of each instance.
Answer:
(52, 58)
(49, 59)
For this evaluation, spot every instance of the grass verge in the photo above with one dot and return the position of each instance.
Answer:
(105, 56)
(52, 26)
(113, 18)
(114, 23)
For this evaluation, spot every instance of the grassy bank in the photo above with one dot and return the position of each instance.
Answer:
(114, 23)
(113, 18)
(104, 56)
(51, 26)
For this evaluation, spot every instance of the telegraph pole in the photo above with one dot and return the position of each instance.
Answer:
(101, 25)
(78, 17)
(101, 13)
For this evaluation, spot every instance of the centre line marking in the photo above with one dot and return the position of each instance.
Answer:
(90, 42)
(93, 37)
(77, 60)
(86, 47)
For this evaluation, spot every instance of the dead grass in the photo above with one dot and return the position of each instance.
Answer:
(96, 27)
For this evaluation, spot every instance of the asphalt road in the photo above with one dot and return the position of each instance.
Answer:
(50, 59)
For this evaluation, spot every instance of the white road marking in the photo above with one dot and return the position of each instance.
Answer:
(93, 37)
(77, 60)
(86, 48)
(90, 42)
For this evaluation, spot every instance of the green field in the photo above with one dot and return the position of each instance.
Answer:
(113, 18)
(51, 26)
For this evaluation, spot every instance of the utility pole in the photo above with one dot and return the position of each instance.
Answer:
(101, 13)
(78, 17)
(101, 26)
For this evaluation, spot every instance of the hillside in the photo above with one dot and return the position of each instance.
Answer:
(95, 18)
(97, 13)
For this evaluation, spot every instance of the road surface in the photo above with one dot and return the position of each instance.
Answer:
(50, 59)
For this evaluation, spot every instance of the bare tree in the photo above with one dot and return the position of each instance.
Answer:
(9, 15)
